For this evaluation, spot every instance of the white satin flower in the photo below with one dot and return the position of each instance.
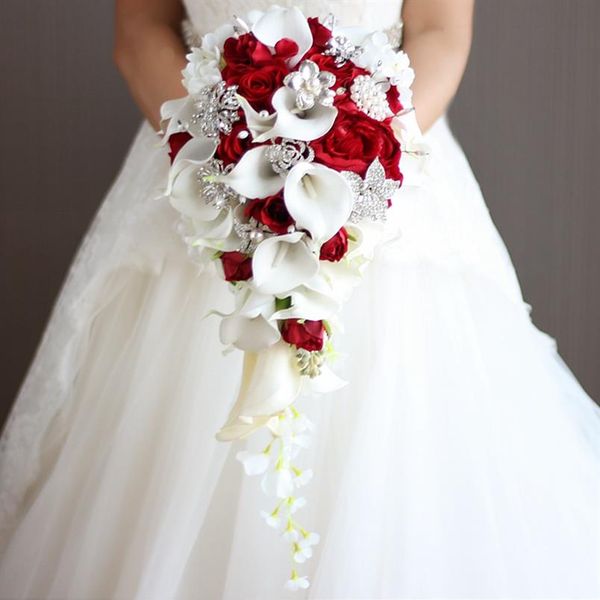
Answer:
(273, 519)
(415, 150)
(303, 547)
(295, 582)
(279, 482)
(318, 198)
(201, 70)
(281, 263)
(301, 477)
(279, 23)
(292, 123)
(255, 463)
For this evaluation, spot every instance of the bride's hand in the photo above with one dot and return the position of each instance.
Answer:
(437, 38)
(149, 52)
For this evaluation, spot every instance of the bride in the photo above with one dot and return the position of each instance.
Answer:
(461, 461)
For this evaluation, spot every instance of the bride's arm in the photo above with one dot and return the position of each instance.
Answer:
(437, 38)
(149, 52)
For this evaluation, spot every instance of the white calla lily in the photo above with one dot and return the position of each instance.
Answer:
(217, 234)
(249, 327)
(257, 123)
(197, 151)
(291, 123)
(284, 23)
(318, 198)
(253, 176)
(270, 383)
(282, 263)
(307, 303)
(251, 334)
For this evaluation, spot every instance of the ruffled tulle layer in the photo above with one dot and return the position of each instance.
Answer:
(462, 460)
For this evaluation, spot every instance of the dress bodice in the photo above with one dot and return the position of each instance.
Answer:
(207, 15)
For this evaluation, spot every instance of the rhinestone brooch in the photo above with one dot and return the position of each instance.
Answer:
(216, 109)
(288, 153)
(342, 50)
(312, 86)
(371, 194)
(251, 234)
(216, 193)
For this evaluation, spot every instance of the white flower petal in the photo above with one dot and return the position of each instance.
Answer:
(307, 126)
(250, 334)
(278, 483)
(279, 23)
(255, 463)
(270, 383)
(253, 175)
(309, 304)
(281, 263)
(318, 198)
(257, 123)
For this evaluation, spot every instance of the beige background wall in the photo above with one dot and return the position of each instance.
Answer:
(527, 116)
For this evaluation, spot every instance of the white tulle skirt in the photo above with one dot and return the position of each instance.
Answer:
(462, 460)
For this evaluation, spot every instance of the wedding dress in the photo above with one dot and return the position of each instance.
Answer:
(462, 460)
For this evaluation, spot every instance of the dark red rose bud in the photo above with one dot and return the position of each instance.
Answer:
(335, 248)
(236, 266)
(286, 48)
(309, 335)
(176, 142)
(270, 211)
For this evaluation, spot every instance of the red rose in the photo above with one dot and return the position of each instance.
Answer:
(232, 147)
(236, 266)
(321, 35)
(270, 211)
(259, 83)
(336, 247)
(344, 74)
(355, 142)
(176, 142)
(304, 334)
(245, 50)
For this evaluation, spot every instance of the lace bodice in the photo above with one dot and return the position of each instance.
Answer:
(207, 15)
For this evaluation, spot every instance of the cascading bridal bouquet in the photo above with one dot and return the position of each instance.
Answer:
(285, 159)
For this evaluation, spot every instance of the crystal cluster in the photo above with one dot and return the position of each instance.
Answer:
(312, 86)
(371, 194)
(370, 97)
(216, 109)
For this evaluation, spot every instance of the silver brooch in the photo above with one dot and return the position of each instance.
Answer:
(342, 49)
(216, 109)
(216, 193)
(311, 85)
(288, 153)
(372, 193)
(370, 97)
(251, 234)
